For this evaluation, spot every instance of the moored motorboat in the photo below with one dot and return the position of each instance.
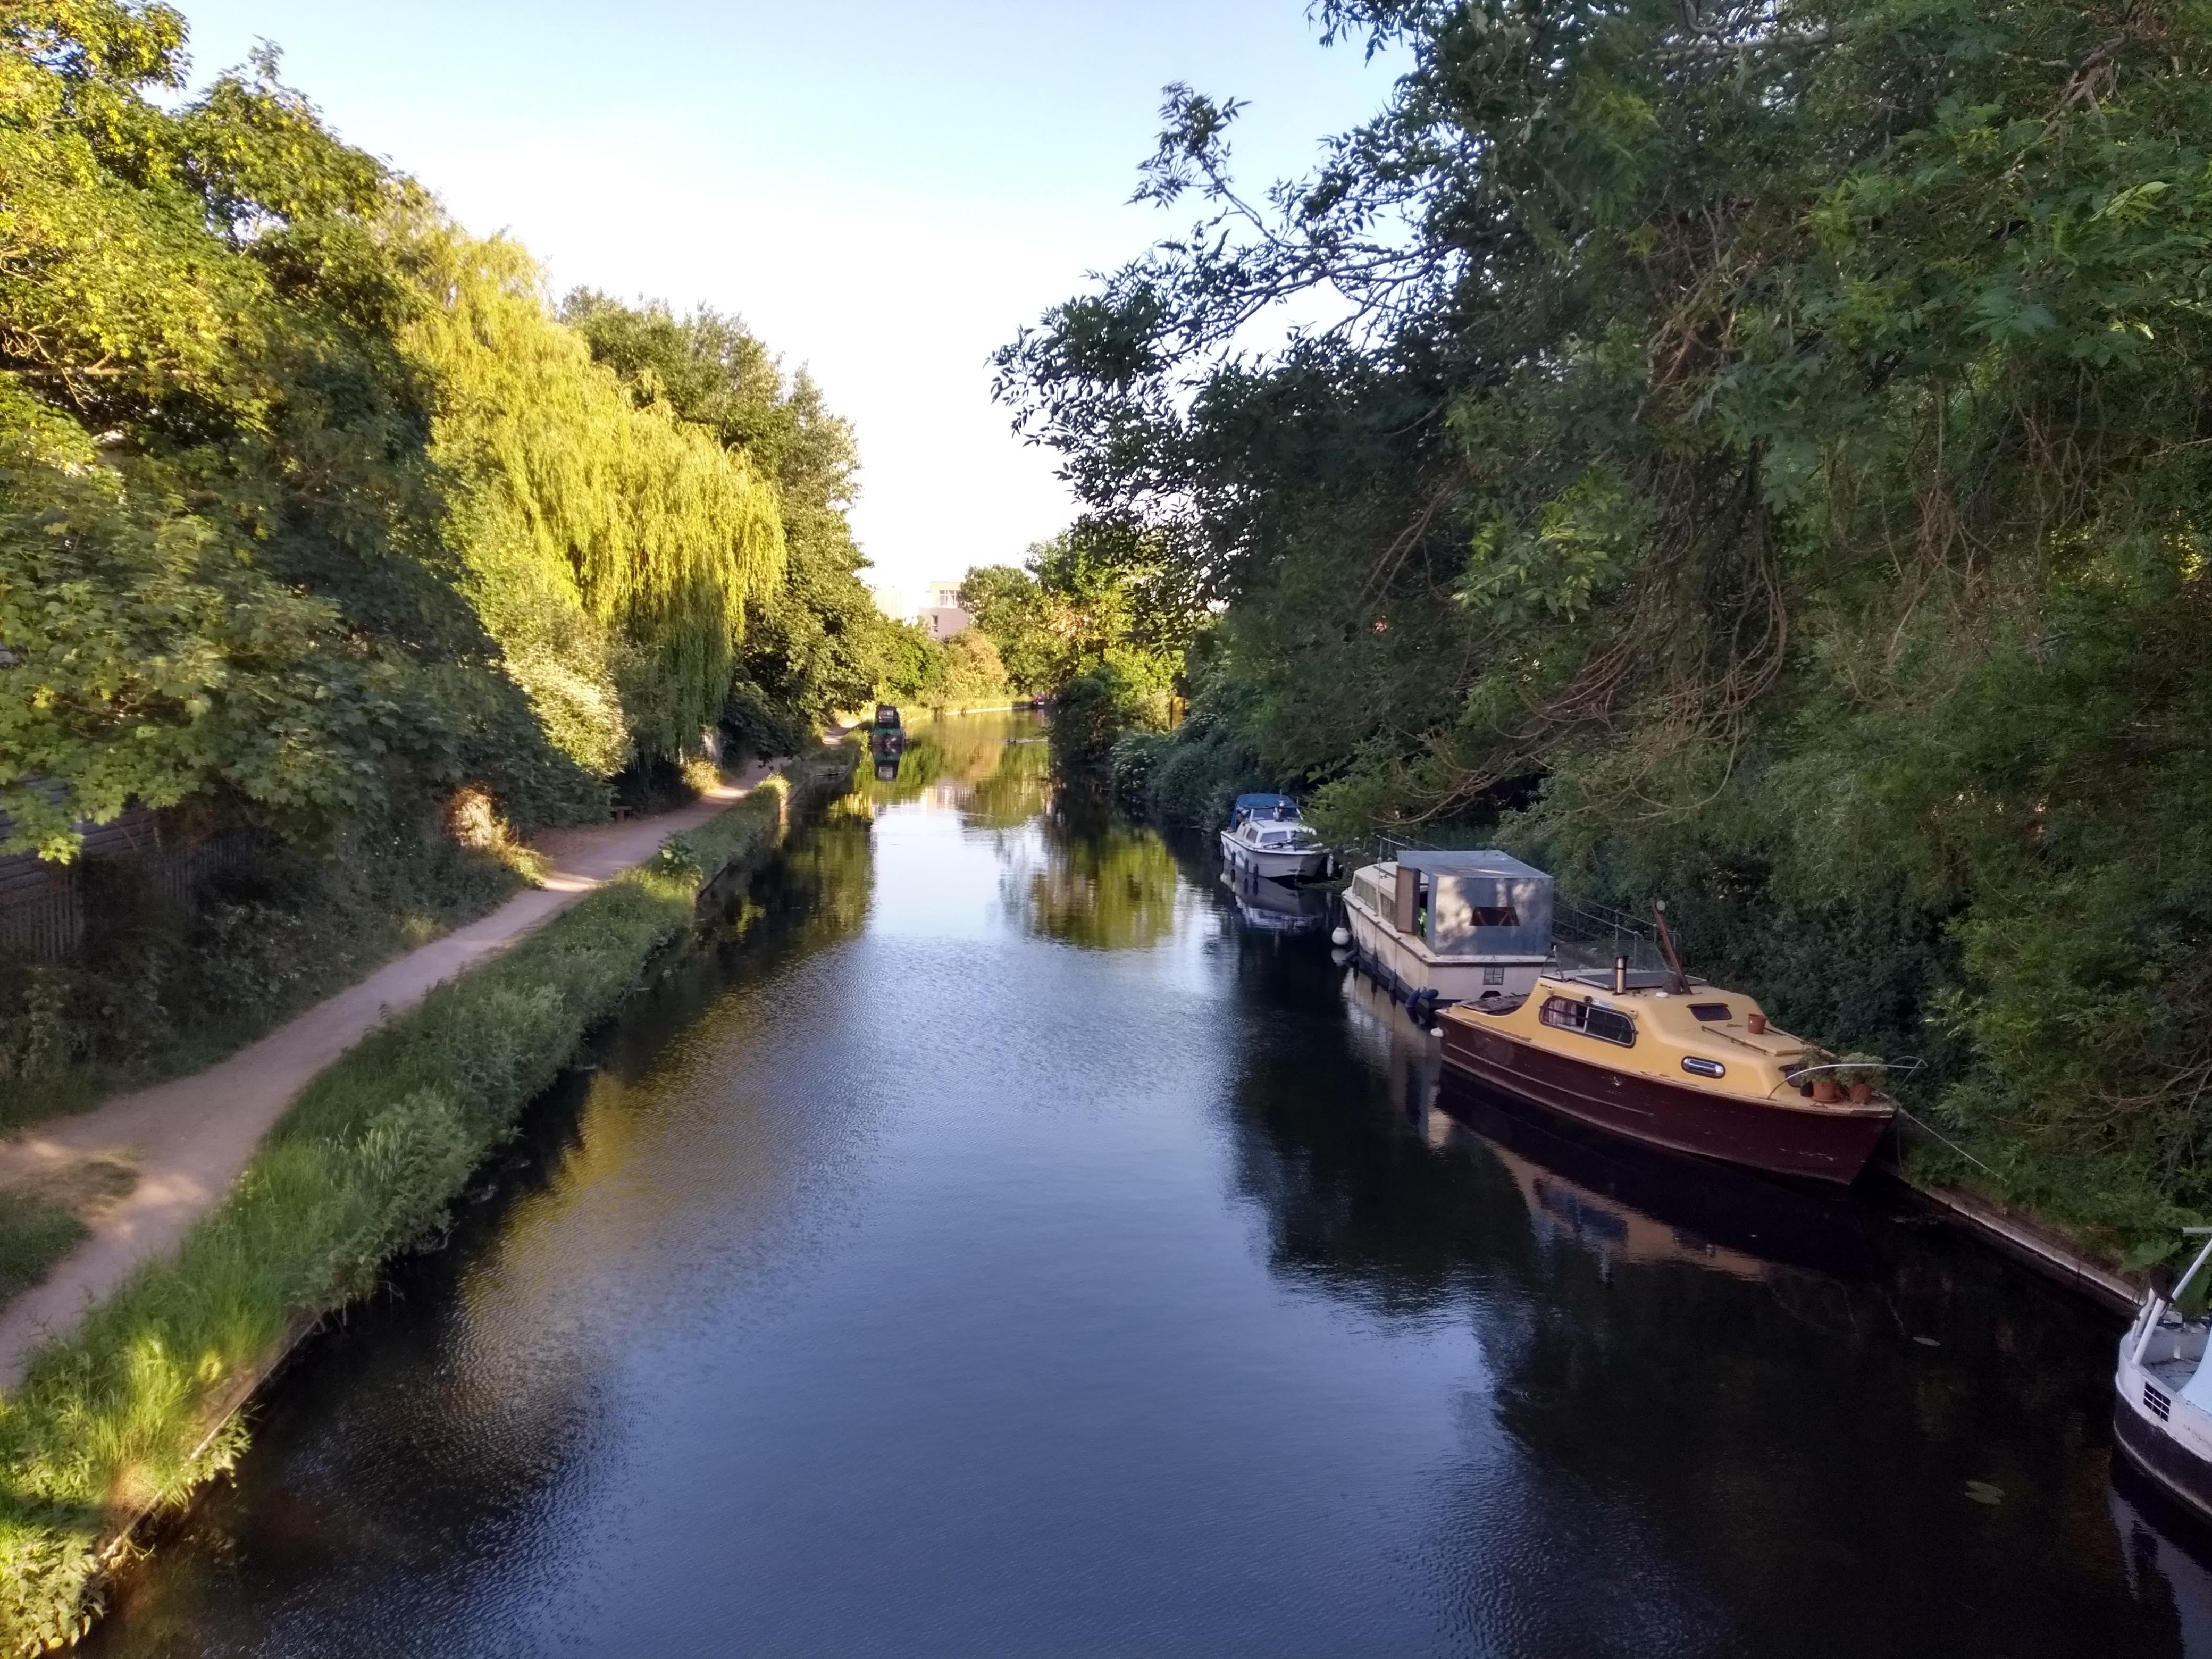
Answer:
(1265, 837)
(2162, 1417)
(1675, 1063)
(1439, 927)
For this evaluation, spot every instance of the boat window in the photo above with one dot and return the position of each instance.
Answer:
(1493, 973)
(1611, 1027)
(1603, 1023)
(1494, 915)
(1709, 1011)
(1698, 1066)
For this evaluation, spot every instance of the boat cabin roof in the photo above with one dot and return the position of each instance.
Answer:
(1468, 861)
(1265, 806)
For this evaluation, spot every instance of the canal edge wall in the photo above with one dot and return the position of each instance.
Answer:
(126, 1418)
(2034, 1243)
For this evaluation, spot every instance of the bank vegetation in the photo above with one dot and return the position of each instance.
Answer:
(1760, 455)
(335, 554)
(135, 1409)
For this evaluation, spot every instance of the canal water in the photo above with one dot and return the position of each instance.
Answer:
(1017, 1242)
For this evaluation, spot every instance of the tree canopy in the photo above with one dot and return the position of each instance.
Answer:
(1757, 450)
(314, 506)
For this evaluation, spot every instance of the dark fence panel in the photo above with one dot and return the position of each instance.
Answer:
(41, 909)
(42, 905)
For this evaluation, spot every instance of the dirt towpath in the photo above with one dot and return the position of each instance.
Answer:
(189, 1138)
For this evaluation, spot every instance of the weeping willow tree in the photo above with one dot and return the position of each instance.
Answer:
(613, 547)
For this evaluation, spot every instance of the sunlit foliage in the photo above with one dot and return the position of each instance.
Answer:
(1761, 455)
(311, 507)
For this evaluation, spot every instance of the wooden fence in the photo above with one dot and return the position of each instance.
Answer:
(42, 904)
(41, 911)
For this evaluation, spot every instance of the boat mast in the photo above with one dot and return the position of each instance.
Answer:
(1680, 984)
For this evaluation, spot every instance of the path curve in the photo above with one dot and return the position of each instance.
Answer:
(192, 1137)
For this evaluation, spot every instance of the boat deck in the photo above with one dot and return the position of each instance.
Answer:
(2173, 1375)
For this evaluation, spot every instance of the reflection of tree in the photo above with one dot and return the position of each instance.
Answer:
(1014, 791)
(1699, 1461)
(1106, 884)
(984, 758)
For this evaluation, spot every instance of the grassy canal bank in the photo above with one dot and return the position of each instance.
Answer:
(137, 1407)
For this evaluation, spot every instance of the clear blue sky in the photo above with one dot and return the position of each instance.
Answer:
(885, 192)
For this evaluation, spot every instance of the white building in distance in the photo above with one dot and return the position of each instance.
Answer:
(940, 616)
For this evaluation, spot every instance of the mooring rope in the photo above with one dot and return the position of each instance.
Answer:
(1930, 1128)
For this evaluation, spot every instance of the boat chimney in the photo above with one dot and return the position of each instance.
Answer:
(1620, 976)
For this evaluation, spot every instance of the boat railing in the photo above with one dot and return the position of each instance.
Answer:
(1594, 938)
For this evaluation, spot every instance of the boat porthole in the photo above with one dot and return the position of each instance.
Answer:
(1700, 1067)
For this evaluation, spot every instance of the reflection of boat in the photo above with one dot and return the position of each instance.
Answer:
(1685, 1066)
(1406, 1053)
(1439, 927)
(1265, 837)
(1633, 1204)
(2148, 1550)
(1275, 907)
(1611, 1230)
(2163, 1417)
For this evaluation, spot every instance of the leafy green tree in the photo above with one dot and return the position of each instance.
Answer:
(1009, 608)
(1760, 452)
(973, 672)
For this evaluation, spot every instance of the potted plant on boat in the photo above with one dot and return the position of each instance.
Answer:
(1817, 1080)
(1859, 1073)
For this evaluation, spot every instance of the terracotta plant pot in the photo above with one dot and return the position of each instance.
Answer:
(1862, 1093)
(1825, 1091)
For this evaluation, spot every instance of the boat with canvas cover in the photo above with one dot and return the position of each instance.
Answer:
(1438, 927)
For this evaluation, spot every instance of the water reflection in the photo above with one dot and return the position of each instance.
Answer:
(994, 768)
(2167, 1557)
(1277, 907)
(905, 1281)
(1095, 880)
(1728, 1491)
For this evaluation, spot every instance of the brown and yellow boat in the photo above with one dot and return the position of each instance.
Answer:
(1674, 1064)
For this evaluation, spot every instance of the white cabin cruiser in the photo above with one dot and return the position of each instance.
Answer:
(2163, 1417)
(1265, 837)
(1451, 926)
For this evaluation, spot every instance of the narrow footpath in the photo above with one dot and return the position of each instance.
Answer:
(189, 1139)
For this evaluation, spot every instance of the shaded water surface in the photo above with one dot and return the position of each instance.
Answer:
(1018, 1244)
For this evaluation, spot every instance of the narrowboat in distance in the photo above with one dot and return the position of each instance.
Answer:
(2162, 1416)
(887, 736)
(1265, 837)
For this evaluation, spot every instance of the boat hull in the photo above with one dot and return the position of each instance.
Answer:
(1827, 1143)
(1270, 865)
(1409, 971)
(2177, 1471)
